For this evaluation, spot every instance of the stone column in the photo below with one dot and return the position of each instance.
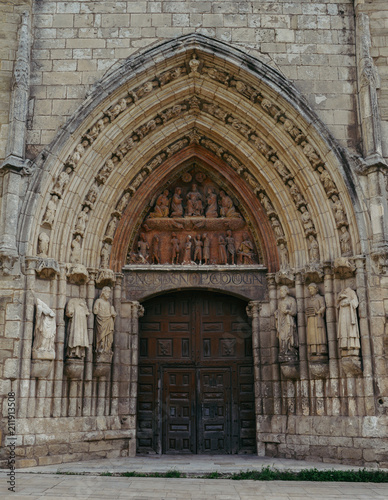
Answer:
(15, 164)
(332, 339)
(25, 374)
(304, 405)
(116, 345)
(137, 312)
(88, 408)
(58, 367)
(365, 335)
(273, 304)
(370, 121)
(253, 310)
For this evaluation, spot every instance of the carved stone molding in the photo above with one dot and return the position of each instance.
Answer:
(41, 368)
(74, 368)
(343, 267)
(319, 369)
(47, 268)
(77, 274)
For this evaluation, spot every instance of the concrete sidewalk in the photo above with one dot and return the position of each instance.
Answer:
(44, 482)
(53, 486)
(189, 464)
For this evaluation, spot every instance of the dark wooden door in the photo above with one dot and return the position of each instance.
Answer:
(195, 389)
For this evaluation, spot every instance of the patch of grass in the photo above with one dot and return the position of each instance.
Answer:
(352, 476)
(213, 475)
(264, 474)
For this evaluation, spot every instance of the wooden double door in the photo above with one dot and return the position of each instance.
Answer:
(195, 387)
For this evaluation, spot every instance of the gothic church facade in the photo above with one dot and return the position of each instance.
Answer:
(193, 228)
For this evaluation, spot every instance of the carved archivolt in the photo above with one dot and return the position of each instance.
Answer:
(194, 105)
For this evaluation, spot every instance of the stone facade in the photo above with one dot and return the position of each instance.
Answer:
(281, 106)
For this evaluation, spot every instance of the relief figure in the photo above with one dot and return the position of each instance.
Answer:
(105, 315)
(316, 329)
(174, 249)
(77, 332)
(230, 246)
(211, 210)
(285, 322)
(176, 205)
(45, 331)
(198, 245)
(206, 248)
(348, 332)
(162, 206)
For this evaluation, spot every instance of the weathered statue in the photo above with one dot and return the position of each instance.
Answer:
(198, 245)
(283, 256)
(222, 256)
(77, 332)
(62, 181)
(313, 249)
(266, 203)
(155, 250)
(285, 322)
(49, 215)
(339, 213)
(187, 252)
(110, 230)
(105, 317)
(123, 202)
(316, 329)
(45, 330)
(82, 221)
(75, 256)
(206, 248)
(143, 248)
(162, 206)
(246, 250)
(348, 332)
(277, 227)
(211, 210)
(306, 219)
(227, 206)
(43, 244)
(176, 204)
(194, 202)
(345, 244)
(230, 246)
(105, 254)
(174, 249)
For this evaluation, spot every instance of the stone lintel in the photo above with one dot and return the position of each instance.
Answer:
(247, 282)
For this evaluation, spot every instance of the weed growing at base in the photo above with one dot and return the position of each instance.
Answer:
(265, 474)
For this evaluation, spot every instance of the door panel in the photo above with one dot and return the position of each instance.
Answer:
(178, 411)
(214, 411)
(195, 376)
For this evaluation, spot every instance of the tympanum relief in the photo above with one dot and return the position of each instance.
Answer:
(194, 221)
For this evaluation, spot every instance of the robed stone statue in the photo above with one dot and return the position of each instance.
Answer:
(45, 331)
(105, 317)
(316, 329)
(77, 333)
(285, 324)
(348, 332)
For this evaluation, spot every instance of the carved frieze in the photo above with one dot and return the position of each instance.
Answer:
(193, 223)
(248, 281)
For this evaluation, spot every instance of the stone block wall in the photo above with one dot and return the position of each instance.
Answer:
(77, 42)
(350, 440)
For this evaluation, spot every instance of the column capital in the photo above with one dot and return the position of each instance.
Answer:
(253, 308)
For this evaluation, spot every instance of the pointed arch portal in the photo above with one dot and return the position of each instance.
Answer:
(194, 98)
(194, 169)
